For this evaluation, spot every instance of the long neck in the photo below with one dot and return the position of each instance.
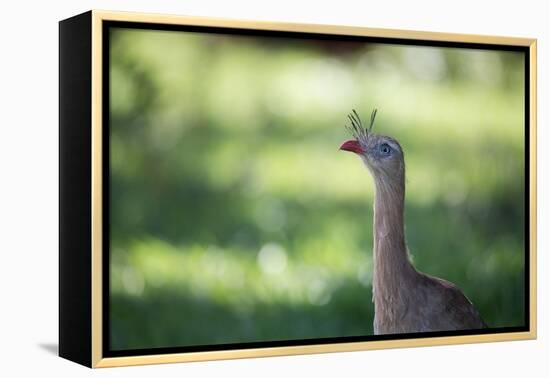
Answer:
(392, 267)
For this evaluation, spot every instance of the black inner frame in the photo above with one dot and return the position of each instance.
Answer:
(106, 332)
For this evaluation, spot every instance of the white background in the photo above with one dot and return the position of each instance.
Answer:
(29, 189)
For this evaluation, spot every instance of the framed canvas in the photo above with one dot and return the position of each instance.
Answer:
(235, 189)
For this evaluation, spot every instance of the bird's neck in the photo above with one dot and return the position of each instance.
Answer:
(392, 268)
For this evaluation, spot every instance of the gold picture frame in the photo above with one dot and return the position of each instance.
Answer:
(82, 340)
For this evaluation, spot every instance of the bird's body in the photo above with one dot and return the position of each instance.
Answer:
(405, 300)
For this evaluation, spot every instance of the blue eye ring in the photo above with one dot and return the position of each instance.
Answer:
(385, 149)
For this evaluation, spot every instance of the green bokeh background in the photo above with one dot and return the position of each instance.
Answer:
(234, 217)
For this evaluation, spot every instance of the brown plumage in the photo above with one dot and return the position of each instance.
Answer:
(405, 300)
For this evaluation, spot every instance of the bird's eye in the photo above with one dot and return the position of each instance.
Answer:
(385, 149)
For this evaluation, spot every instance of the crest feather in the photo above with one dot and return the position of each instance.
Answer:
(356, 128)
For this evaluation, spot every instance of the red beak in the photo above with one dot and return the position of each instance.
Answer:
(353, 146)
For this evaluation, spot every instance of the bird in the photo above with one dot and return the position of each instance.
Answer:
(405, 299)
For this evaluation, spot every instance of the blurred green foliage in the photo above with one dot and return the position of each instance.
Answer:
(234, 217)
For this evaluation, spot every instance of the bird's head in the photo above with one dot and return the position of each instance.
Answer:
(381, 154)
